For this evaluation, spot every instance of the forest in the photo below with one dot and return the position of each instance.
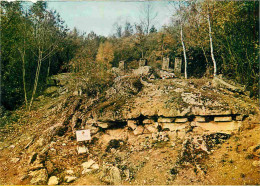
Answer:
(212, 37)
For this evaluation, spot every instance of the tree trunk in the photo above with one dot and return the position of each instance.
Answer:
(36, 78)
(49, 66)
(24, 83)
(184, 53)
(211, 48)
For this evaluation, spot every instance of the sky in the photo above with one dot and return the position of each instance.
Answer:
(99, 16)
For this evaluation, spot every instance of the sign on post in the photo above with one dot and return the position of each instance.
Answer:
(83, 135)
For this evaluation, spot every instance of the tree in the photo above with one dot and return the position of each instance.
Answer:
(153, 29)
(148, 15)
(118, 30)
(46, 38)
(140, 39)
(211, 42)
(105, 54)
(128, 29)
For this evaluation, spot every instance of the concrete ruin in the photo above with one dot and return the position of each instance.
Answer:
(166, 63)
(204, 123)
(122, 65)
(177, 66)
(142, 62)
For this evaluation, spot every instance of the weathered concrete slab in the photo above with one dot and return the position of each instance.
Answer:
(181, 120)
(222, 118)
(148, 121)
(132, 124)
(200, 119)
(165, 120)
(225, 127)
(139, 130)
(173, 126)
(177, 66)
(166, 63)
(151, 128)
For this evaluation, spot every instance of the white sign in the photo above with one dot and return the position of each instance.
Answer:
(83, 135)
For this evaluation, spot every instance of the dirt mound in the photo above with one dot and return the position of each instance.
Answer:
(143, 131)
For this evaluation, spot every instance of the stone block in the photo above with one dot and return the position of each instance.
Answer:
(222, 118)
(82, 149)
(165, 120)
(166, 63)
(142, 62)
(200, 119)
(132, 124)
(225, 127)
(103, 125)
(122, 65)
(181, 120)
(177, 66)
(151, 128)
(139, 130)
(148, 121)
(173, 126)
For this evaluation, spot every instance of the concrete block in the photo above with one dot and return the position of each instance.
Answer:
(173, 126)
(181, 120)
(132, 124)
(165, 120)
(148, 121)
(199, 119)
(139, 130)
(225, 127)
(222, 118)
(151, 128)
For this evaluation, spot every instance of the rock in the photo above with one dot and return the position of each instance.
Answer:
(132, 124)
(239, 118)
(40, 142)
(39, 177)
(70, 179)
(88, 164)
(256, 163)
(12, 146)
(82, 149)
(115, 176)
(103, 125)
(75, 93)
(53, 180)
(69, 172)
(143, 70)
(86, 171)
(94, 166)
(139, 130)
(181, 134)
(199, 119)
(49, 166)
(148, 121)
(15, 160)
(151, 128)
(173, 126)
(181, 120)
(223, 118)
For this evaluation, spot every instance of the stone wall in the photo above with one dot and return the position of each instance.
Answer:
(177, 66)
(166, 63)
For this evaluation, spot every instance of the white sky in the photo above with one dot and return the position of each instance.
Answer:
(99, 16)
